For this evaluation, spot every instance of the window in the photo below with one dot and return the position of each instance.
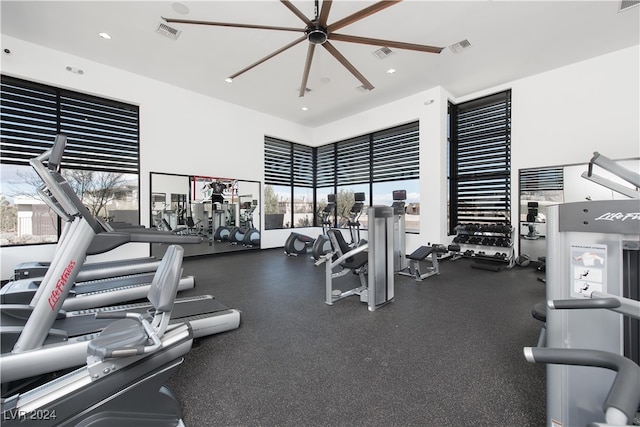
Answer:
(100, 161)
(480, 161)
(325, 179)
(396, 166)
(375, 164)
(353, 175)
(288, 170)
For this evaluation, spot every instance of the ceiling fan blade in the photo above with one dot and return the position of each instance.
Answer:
(296, 12)
(324, 13)
(229, 24)
(282, 49)
(333, 51)
(307, 67)
(376, 7)
(385, 43)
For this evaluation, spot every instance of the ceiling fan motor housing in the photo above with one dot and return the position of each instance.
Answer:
(316, 34)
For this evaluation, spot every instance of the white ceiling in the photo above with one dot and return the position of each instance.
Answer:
(509, 40)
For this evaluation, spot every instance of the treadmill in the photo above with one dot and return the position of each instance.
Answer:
(40, 337)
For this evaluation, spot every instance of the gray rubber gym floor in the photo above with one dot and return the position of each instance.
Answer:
(446, 352)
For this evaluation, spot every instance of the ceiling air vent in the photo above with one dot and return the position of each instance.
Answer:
(167, 31)
(382, 53)
(626, 4)
(460, 46)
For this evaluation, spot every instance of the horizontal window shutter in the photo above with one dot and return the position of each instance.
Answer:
(396, 153)
(483, 172)
(544, 179)
(353, 161)
(28, 120)
(277, 162)
(102, 135)
(302, 166)
(325, 166)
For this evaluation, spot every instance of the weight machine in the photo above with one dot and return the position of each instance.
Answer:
(593, 260)
(372, 262)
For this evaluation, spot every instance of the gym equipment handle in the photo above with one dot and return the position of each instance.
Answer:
(624, 394)
(584, 303)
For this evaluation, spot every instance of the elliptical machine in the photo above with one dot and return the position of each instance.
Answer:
(298, 244)
(353, 223)
(246, 234)
(322, 244)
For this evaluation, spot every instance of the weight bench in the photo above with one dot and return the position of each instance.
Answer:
(421, 254)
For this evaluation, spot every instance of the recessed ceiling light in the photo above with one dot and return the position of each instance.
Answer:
(228, 80)
(304, 109)
(391, 70)
(180, 8)
(105, 36)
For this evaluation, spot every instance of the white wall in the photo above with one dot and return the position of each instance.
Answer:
(558, 117)
(562, 116)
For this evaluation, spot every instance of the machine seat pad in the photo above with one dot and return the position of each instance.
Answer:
(356, 261)
(122, 336)
(539, 312)
(421, 253)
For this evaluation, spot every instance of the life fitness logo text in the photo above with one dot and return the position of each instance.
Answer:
(55, 294)
(619, 216)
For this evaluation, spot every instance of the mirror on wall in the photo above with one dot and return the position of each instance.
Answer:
(225, 212)
(542, 187)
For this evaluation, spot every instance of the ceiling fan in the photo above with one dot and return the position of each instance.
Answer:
(317, 32)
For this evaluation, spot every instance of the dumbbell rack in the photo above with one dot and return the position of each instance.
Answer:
(486, 242)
